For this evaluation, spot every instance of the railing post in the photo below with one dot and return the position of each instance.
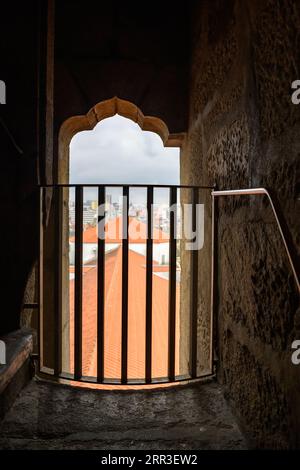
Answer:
(213, 287)
(78, 282)
(100, 289)
(172, 284)
(58, 285)
(124, 357)
(40, 279)
(149, 274)
(194, 291)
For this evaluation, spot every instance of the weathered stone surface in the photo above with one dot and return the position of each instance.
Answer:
(244, 132)
(140, 56)
(268, 409)
(210, 69)
(18, 149)
(49, 416)
(276, 47)
(18, 348)
(227, 156)
(16, 372)
(29, 316)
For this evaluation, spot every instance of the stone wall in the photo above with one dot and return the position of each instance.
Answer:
(97, 52)
(244, 132)
(19, 154)
(111, 49)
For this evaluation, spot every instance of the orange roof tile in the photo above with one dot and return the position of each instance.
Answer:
(136, 326)
(113, 229)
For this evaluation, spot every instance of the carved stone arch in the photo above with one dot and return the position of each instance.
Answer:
(68, 129)
(103, 110)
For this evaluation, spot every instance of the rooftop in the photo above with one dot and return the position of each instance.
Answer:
(114, 228)
(136, 327)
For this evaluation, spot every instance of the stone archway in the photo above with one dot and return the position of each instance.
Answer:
(70, 127)
(103, 110)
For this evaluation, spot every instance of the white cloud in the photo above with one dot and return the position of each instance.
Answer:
(118, 151)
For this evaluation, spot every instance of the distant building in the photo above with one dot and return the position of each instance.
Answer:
(113, 239)
(89, 216)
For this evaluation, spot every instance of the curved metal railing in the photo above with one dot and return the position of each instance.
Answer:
(279, 220)
(286, 240)
(63, 321)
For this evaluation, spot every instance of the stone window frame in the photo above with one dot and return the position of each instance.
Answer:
(103, 110)
(68, 129)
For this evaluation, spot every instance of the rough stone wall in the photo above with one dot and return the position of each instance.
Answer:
(18, 152)
(112, 49)
(244, 132)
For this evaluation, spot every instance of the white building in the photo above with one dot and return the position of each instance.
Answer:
(113, 238)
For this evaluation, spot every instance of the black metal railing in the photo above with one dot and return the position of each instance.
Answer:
(60, 194)
(54, 367)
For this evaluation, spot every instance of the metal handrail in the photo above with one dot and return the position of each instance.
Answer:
(263, 191)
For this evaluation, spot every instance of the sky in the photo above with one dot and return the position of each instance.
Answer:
(118, 151)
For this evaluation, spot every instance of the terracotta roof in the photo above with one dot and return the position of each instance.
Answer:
(87, 267)
(136, 327)
(113, 229)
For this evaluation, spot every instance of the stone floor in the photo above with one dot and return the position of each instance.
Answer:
(51, 416)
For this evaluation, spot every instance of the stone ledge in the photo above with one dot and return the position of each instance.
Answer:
(16, 372)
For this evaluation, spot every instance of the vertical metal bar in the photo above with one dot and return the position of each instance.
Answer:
(172, 284)
(58, 284)
(194, 292)
(100, 288)
(212, 283)
(124, 357)
(149, 273)
(40, 280)
(78, 282)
